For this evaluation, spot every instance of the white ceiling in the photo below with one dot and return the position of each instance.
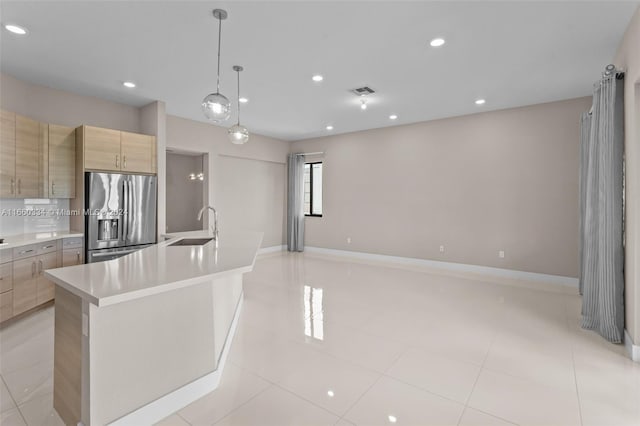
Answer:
(511, 53)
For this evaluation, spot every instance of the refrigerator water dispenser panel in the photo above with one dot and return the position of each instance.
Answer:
(107, 229)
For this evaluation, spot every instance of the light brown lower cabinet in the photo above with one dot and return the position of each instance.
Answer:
(72, 257)
(45, 288)
(6, 305)
(25, 284)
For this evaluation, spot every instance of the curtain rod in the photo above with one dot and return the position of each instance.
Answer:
(310, 153)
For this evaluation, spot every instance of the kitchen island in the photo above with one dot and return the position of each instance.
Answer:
(141, 336)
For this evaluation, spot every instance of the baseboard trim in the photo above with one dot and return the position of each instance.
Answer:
(450, 266)
(632, 349)
(180, 398)
(272, 249)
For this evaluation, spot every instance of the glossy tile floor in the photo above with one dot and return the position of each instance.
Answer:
(323, 341)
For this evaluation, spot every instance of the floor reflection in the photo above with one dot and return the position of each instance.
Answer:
(313, 313)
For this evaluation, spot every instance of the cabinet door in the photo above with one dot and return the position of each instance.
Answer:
(62, 161)
(45, 287)
(72, 257)
(27, 152)
(43, 161)
(24, 284)
(7, 154)
(136, 152)
(6, 305)
(101, 149)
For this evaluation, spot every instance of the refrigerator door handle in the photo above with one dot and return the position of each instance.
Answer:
(125, 212)
(130, 205)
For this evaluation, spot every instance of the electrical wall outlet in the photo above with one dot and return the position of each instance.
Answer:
(348, 240)
(501, 254)
(441, 249)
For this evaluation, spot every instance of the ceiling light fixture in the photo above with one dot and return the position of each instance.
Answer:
(129, 84)
(330, 393)
(317, 78)
(215, 106)
(329, 127)
(480, 101)
(16, 29)
(243, 100)
(392, 419)
(238, 134)
(393, 117)
(363, 104)
(437, 42)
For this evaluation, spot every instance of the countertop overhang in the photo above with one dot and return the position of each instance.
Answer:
(160, 268)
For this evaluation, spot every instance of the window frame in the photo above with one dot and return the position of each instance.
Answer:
(311, 214)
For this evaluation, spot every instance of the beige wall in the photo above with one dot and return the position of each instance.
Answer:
(68, 109)
(628, 58)
(504, 180)
(246, 183)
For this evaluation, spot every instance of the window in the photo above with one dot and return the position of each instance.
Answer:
(313, 189)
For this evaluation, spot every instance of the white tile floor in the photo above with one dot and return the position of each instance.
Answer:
(329, 342)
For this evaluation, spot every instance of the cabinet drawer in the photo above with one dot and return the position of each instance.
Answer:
(6, 255)
(73, 242)
(25, 251)
(6, 305)
(47, 247)
(6, 277)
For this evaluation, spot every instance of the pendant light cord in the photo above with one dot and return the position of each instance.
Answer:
(219, 42)
(238, 97)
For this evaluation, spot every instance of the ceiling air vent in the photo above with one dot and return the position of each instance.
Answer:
(363, 91)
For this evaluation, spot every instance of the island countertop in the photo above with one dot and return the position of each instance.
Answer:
(159, 268)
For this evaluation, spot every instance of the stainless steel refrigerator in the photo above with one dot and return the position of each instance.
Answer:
(120, 216)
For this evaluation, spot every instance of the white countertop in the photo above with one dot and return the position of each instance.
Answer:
(12, 241)
(159, 268)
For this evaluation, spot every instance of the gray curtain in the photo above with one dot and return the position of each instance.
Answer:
(601, 180)
(295, 203)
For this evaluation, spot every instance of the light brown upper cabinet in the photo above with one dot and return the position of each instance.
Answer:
(20, 150)
(101, 148)
(7, 154)
(137, 151)
(113, 150)
(62, 161)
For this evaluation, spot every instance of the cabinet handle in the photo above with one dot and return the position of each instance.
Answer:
(46, 247)
(117, 160)
(25, 251)
(33, 269)
(78, 256)
(13, 186)
(53, 188)
(124, 161)
(40, 267)
(19, 186)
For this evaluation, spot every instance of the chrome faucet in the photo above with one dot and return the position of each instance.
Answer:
(214, 228)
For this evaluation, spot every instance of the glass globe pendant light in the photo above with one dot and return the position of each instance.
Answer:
(215, 106)
(238, 134)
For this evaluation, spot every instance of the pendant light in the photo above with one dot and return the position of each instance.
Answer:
(215, 106)
(238, 134)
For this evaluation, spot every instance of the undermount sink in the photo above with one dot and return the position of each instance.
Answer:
(191, 242)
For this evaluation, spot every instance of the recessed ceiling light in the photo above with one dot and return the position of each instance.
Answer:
(437, 42)
(480, 101)
(129, 84)
(330, 393)
(363, 104)
(393, 117)
(317, 78)
(392, 419)
(243, 100)
(15, 29)
(329, 127)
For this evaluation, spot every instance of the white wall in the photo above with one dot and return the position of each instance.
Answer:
(246, 183)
